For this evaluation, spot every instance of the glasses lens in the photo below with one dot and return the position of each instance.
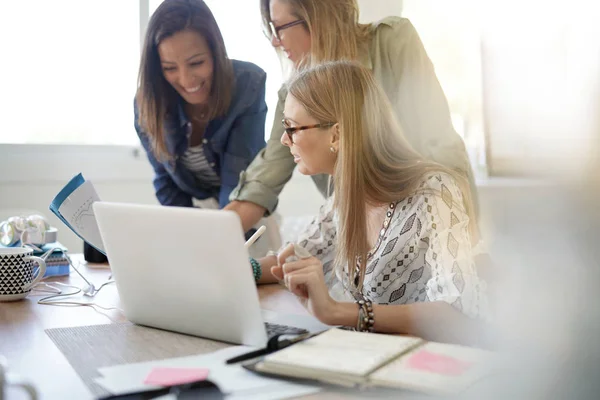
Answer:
(286, 127)
(274, 33)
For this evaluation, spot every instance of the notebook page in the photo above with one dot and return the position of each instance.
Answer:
(77, 210)
(341, 351)
(436, 368)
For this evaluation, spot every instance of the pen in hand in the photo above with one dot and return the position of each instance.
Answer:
(255, 237)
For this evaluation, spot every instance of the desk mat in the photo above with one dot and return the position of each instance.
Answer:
(88, 348)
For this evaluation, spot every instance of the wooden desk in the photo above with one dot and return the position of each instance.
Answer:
(32, 354)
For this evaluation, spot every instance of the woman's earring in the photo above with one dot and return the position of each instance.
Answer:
(332, 149)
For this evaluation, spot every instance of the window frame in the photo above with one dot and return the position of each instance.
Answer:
(36, 163)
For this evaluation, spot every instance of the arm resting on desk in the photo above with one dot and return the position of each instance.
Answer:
(436, 321)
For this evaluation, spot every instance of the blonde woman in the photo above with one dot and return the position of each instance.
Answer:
(308, 32)
(396, 234)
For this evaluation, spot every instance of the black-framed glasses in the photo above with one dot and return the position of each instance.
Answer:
(276, 29)
(290, 130)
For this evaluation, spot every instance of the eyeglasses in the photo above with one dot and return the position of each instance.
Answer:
(276, 29)
(291, 130)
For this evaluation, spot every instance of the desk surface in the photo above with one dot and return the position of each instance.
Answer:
(33, 355)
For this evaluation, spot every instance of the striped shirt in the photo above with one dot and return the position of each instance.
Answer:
(195, 161)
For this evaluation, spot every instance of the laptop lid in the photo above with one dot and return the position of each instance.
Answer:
(182, 269)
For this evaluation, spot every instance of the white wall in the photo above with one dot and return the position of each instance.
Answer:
(540, 82)
(33, 175)
(123, 174)
(373, 10)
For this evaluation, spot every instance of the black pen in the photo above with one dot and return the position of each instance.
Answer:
(249, 356)
(273, 345)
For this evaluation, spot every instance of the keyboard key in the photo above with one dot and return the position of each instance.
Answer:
(276, 329)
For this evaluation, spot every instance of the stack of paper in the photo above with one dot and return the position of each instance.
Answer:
(233, 380)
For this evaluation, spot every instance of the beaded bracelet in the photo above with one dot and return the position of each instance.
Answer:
(256, 270)
(359, 321)
(366, 317)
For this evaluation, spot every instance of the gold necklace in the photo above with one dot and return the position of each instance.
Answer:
(200, 118)
(386, 223)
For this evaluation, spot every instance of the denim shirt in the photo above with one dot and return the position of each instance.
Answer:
(230, 143)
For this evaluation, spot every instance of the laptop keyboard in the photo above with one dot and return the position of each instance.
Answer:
(276, 329)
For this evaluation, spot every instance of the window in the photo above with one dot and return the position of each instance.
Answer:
(540, 85)
(449, 32)
(519, 75)
(69, 70)
(69, 75)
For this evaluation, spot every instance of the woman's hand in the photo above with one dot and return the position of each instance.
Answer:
(305, 279)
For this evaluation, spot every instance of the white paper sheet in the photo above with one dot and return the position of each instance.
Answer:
(214, 358)
(273, 391)
(77, 210)
(231, 379)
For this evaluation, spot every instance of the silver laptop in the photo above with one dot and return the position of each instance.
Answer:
(187, 270)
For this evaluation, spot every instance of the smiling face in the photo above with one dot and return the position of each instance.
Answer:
(311, 148)
(187, 64)
(295, 41)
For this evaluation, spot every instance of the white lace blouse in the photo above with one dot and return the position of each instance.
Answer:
(424, 252)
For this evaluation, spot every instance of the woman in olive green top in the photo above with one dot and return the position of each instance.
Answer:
(309, 32)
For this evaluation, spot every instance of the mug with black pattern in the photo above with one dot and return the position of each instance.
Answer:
(17, 272)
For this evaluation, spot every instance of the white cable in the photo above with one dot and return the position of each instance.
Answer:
(51, 289)
(50, 300)
(89, 291)
(46, 254)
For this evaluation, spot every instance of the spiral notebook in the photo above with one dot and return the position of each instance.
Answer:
(348, 358)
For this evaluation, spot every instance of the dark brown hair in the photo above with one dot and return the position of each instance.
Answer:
(155, 97)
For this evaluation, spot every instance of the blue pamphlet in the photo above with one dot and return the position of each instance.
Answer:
(73, 206)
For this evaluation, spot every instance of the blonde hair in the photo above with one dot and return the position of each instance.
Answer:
(333, 26)
(375, 163)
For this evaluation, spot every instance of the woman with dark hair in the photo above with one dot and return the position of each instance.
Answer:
(200, 115)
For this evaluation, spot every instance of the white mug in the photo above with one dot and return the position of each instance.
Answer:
(11, 380)
(16, 272)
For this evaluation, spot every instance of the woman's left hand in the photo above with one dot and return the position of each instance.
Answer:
(305, 279)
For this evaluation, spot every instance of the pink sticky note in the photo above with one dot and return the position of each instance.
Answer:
(438, 363)
(175, 376)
